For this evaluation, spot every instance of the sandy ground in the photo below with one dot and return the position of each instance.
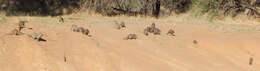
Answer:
(219, 48)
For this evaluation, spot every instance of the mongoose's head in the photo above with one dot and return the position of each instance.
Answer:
(85, 32)
(22, 23)
(153, 25)
(123, 24)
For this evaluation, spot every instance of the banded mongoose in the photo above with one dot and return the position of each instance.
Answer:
(120, 26)
(21, 25)
(147, 31)
(171, 32)
(152, 29)
(37, 36)
(85, 31)
(82, 30)
(74, 28)
(130, 37)
(61, 19)
(156, 31)
(153, 25)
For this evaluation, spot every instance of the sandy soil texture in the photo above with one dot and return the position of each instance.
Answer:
(216, 49)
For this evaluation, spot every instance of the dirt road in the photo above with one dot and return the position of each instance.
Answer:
(216, 50)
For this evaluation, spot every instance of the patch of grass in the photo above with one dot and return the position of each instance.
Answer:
(3, 19)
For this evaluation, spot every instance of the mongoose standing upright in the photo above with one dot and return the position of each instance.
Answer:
(61, 19)
(153, 25)
(18, 31)
(21, 25)
(152, 29)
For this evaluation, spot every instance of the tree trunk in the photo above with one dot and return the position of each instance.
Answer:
(156, 8)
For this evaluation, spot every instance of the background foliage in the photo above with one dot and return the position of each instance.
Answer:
(213, 8)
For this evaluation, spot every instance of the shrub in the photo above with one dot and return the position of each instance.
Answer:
(226, 7)
(40, 7)
(154, 8)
